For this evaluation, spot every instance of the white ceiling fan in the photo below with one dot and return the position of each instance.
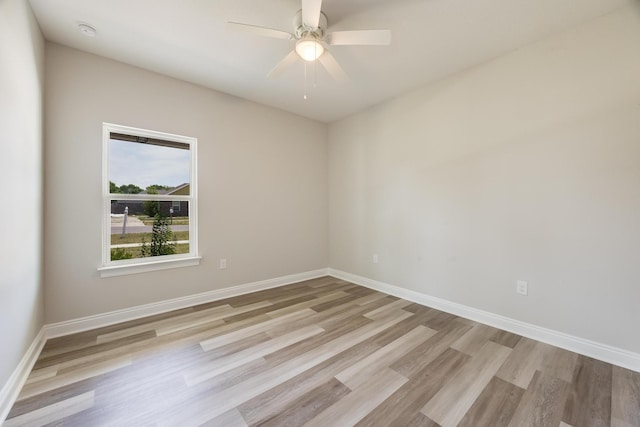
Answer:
(312, 41)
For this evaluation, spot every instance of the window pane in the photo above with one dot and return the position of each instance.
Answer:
(150, 167)
(137, 234)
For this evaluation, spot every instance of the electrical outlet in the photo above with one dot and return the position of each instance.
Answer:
(522, 287)
(375, 258)
(223, 263)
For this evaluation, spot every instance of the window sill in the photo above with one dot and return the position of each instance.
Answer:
(121, 270)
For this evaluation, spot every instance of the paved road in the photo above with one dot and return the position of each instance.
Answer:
(135, 225)
(137, 245)
(117, 229)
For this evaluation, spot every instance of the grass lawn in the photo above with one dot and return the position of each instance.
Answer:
(177, 220)
(117, 239)
(180, 249)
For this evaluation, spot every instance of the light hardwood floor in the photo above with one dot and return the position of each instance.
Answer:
(323, 352)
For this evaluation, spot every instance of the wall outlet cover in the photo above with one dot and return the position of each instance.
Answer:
(522, 287)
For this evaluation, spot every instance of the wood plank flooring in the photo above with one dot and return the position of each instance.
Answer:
(324, 352)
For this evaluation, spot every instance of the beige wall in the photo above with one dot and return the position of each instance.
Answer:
(523, 168)
(262, 184)
(526, 167)
(21, 80)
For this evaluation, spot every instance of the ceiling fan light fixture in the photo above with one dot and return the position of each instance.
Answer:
(309, 48)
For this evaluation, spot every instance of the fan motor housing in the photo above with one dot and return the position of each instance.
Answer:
(300, 30)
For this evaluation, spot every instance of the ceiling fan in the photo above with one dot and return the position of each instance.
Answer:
(312, 41)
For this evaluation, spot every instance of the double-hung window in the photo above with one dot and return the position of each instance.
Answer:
(149, 201)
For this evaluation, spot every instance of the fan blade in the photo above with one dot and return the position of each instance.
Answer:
(332, 67)
(361, 37)
(311, 13)
(283, 65)
(261, 31)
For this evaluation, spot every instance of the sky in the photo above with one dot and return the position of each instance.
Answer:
(145, 164)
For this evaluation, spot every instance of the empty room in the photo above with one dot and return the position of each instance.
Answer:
(320, 213)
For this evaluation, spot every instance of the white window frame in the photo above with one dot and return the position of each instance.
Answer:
(130, 266)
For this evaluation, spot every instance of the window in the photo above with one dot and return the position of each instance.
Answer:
(149, 193)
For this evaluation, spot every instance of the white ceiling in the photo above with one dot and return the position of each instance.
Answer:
(189, 40)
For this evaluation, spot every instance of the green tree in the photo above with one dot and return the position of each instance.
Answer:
(161, 239)
(113, 187)
(124, 189)
(151, 207)
(157, 188)
(130, 189)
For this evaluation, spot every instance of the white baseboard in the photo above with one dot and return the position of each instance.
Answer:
(14, 384)
(113, 317)
(10, 391)
(606, 353)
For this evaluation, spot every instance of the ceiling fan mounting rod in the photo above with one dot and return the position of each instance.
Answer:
(300, 30)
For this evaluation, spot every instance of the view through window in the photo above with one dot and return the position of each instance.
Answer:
(149, 196)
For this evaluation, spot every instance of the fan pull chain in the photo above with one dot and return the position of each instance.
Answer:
(305, 80)
(315, 82)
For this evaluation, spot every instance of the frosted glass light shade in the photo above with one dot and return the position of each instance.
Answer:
(309, 48)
